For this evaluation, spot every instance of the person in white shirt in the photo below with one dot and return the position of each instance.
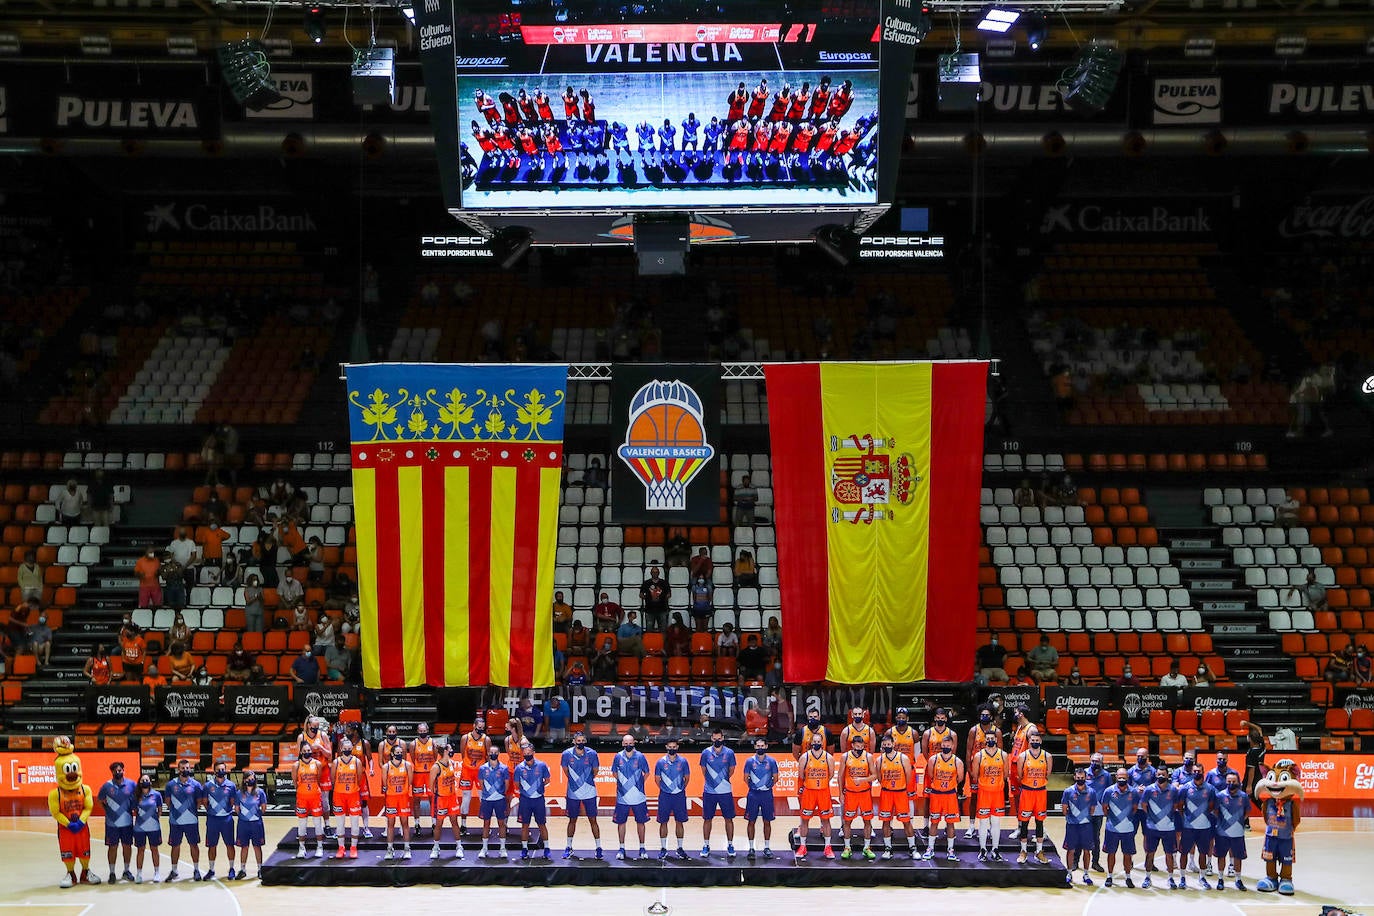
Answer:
(290, 592)
(70, 502)
(1173, 678)
(183, 549)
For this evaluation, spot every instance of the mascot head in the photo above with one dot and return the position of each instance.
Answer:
(1281, 782)
(67, 764)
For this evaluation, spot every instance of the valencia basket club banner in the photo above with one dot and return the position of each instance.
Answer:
(456, 472)
(876, 469)
(663, 463)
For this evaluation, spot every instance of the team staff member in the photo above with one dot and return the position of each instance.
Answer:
(671, 774)
(533, 778)
(1077, 805)
(630, 769)
(988, 773)
(249, 805)
(348, 778)
(944, 776)
(397, 778)
(1119, 804)
(856, 777)
(1199, 807)
(1142, 776)
(717, 767)
(423, 753)
(760, 776)
(184, 796)
(1159, 803)
(443, 789)
(1233, 815)
(580, 765)
(116, 796)
(220, 796)
(494, 778)
(977, 743)
(806, 735)
(473, 748)
(309, 800)
(147, 806)
(1099, 780)
(816, 771)
(1034, 766)
(896, 788)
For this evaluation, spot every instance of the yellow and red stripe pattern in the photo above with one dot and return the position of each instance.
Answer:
(456, 475)
(876, 473)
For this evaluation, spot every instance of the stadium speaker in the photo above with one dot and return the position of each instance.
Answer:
(960, 81)
(1087, 87)
(838, 242)
(374, 77)
(511, 244)
(248, 74)
(661, 243)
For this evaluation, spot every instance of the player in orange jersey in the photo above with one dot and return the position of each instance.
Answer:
(988, 771)
(398, 778)
(907, 742)
(944, 777)
(1020, 741)
(422, 755)
(362, 749)
(315, 733)
(1034, 769)
(802, 737)
(977, 741)
(816, 772)
(858, 725)
(857, 772)
(896, 789)
(443, 790)
(939, 732)
(308, 774)
(515, 733)
(349, 777)
(472, 750)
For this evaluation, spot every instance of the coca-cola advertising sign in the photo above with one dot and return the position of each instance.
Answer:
(1330, 219)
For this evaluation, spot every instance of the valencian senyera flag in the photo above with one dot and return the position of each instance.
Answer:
(876, 474)
(456, 472)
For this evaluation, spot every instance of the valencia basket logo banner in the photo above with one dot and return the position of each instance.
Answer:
(456, 472)
(876, 470)
(665, 421)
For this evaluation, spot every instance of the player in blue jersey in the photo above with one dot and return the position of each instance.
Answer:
(667, 134)
(1183, 774)
(1281, 819)
(760, 776)
(711, 136)
(117, 798)
(493, 777)
(1099, 780)
(147, 809)
(1233, 815)
(580, 765)
(249, 805)
(184, 796)
(1142, 776)
(531, 778)
(1199, 805)
(1077, 805)
(1119, 804)
(220, 795)
(1159, 803)
(717, 766)
(630, 769)
(671, 774)
(1216, 778)
(689, 131)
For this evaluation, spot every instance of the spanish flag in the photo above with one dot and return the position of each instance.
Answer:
(456, 473)
(876, 471)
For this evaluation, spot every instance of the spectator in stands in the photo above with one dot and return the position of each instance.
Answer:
(182, 663)
(1306, 402)
(1073, 679)
(300, 619)
(605, 660)
(1044, 661)
(1340, 665)
(70, 503)
(556, 720)
(562, 613)
(212, 457)
(257, 677)
(746, 497)
(179, 632)
(239, 664)
(772, 678)
(1204, 676)
(278, 492)
(212, 537)
(40, 640)
(575, 673)
(30, 577)
(1025, 495)
(253, 605)
(352, 615)
(183, 549)
(678, 550)
(1044, 494)
(752, 659)
(304, 669)
(1066, 494)
(678, 639)
(314, 549)
(607, 615)
(579, 639)
(338, 659)
(531, 718)
(202, 678)
(1362, 666)
(100, 499)
(1314, 593)
(265, 550)
(727, 642)
(653, 595)
(214, 508)
(772, 638)
(173, 584)
(1062, 386)
(1173, 678)
(231, 573)
(703, 610)
(149, 587)
(746, 571)
(595, 475)
(1286, 512)
(134, 650)
(152, 678)
(701, 565)
(17, 627)
(1022, 678)
(991, 661)
(324, 634)
(1127, 678)
(290, 593)
(630, 635)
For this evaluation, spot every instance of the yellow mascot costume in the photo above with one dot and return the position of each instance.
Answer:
(71, 804)
(1280, 801)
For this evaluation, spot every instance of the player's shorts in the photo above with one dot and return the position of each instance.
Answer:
(1078, 836)
(623, 813)
(149, 838)
(419, 790)
(1233, 846)
(396, 806)
(498, 808)
(894, 805)
(74, 845)
(1278, 849)
(446, 805)
(758, 804)
(310, 804)
(251, 833)
(188, 832)
(1032, 803)
(672, 805)
(990, 802)
(1191, 838)
(944, 807)
(1113, 842)
(816, 801)
(1153, 839)
(533, 809)
(217, 828)
(858, 804)
(467, 777)
(711, 801)
(583, 806)
(350, 805)
(114, 836)
(364, 790)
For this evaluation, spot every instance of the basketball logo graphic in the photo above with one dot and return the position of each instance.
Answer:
(665, 442)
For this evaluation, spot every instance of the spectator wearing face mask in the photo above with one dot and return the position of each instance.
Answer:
(1128, 678)
(991, 661)
(1362, 666)
(1204, 676)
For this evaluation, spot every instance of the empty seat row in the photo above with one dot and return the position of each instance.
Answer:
(1090, 555)
(1014, 463)
(1089, 598)
(1260, 537)
(1168, 620)
(1096, 576)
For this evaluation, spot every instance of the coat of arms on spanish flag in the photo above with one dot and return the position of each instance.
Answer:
(876, 472)
(456, 475)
